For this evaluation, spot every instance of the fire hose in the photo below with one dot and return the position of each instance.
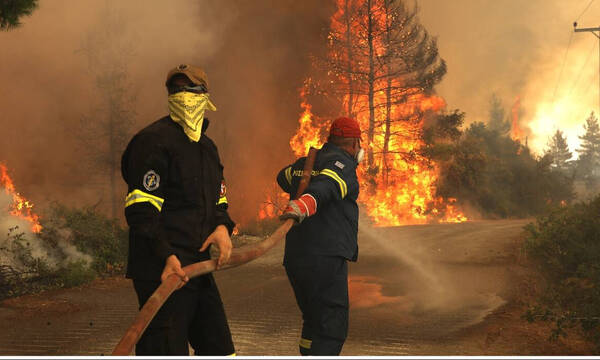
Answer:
(238, 257)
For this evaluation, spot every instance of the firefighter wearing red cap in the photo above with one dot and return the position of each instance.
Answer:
(318, 248)
(176, 207)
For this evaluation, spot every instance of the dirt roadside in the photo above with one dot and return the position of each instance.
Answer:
(89, 320)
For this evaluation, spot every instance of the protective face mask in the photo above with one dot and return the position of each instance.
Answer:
(187, 109)
(360, 155)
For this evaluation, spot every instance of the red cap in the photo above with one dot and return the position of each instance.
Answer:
(345, 127)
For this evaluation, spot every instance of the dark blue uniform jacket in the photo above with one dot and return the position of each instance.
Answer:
(332, 230)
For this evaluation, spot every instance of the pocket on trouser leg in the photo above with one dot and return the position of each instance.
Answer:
(332, 311)
(209, 332)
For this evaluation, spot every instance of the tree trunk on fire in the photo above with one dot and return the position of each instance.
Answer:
(371, 84)
(348, 21)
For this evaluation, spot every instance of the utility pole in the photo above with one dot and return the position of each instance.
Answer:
(596, 32)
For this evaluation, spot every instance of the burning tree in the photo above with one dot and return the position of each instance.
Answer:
(381, 59)
(381, 67)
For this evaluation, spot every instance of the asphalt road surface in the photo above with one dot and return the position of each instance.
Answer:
(414, 291)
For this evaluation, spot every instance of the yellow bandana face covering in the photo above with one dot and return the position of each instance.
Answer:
(187, 109)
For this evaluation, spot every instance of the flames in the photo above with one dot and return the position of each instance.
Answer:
(398, 184)
(308, 134)
(515, 130)
(267, 209)
(20, 206)
(404, 189)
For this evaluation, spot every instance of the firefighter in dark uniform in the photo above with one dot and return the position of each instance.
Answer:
(318, 248)
(176, 207)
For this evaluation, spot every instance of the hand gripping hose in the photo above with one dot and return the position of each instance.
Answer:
(238, 257)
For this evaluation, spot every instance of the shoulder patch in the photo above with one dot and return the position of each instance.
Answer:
(223, 189)
(339, 164)
(151, 180)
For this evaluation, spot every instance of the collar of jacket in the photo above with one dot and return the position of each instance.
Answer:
(205, 124)
(332, 147)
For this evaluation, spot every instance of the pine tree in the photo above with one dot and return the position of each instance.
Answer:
(11, 11)
(379, 47)
(558, 150)
(589, 152)
(497, 117)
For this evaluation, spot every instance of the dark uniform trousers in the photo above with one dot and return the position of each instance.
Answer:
(317, 250)
(194, 312)
(320, 284)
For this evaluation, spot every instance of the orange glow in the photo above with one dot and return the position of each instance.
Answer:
(20, 207)
(308, 135)
(366, 292)
(399, 188)
(267, 209)
(515, 131)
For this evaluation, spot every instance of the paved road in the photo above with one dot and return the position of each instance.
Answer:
(413, 291)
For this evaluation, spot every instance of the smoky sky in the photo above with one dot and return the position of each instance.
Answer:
(256, 55)
(518, 48)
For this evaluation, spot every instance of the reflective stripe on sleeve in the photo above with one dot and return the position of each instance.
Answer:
(222, 200)
(138, 196)
(332, 174)
(288, 175)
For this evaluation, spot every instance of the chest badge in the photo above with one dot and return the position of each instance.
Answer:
(151, 180)
(339, 164)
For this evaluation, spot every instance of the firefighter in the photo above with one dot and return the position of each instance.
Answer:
(318, 248)
(176, 208)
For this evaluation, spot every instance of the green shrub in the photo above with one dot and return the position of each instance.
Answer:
(92, 233)
(565, 245)
(74, 274)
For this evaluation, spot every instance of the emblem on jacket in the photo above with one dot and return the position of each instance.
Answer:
(223, 189)
(151, 180)
(339, 164)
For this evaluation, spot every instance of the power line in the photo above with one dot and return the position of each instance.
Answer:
(561, 69)
(584, 10)
(596, 33)
(587, 59)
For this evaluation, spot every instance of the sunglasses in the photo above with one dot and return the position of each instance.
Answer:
(197, 89)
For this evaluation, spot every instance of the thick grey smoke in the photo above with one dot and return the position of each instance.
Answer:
(17, 239)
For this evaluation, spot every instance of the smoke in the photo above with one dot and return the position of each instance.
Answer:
(255, 54)
(516, 48)
(18, 241)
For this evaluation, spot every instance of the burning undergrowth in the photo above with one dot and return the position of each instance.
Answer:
(64, 247)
